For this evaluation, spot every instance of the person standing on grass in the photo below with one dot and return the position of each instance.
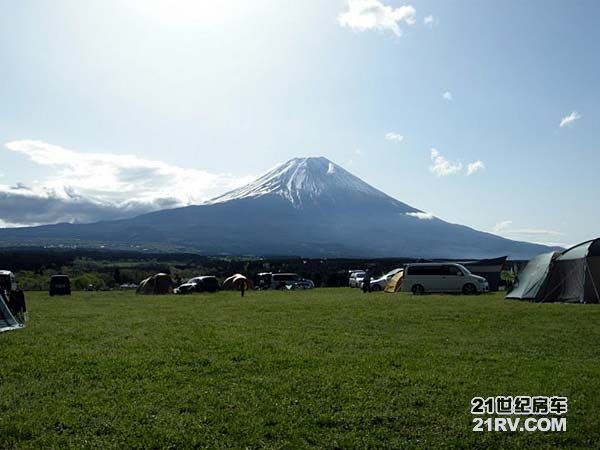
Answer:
(366, 287)
(242, 287)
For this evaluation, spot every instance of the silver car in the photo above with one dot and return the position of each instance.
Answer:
(356, 278)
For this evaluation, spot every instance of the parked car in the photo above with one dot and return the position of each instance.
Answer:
(59, 285)
(290, 281)
(198, 284)
(356, 278)
(380, 283)
(442, 277)
(262, 280)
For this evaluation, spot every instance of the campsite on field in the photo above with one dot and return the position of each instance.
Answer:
(328, 368)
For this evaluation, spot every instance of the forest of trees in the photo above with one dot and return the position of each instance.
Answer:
(110, 269)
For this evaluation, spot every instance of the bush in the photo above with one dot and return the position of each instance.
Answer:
(83, 281)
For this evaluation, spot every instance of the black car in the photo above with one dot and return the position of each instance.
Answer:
(59, 285)
(199, 284)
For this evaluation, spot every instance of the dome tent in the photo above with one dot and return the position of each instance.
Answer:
(7, 319)
(572, 276)
(234, 281)
(159, 284)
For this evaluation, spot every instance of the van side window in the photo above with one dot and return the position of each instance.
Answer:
(426, 270)
(454, 271)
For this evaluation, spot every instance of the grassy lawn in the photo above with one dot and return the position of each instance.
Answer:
(328, 368)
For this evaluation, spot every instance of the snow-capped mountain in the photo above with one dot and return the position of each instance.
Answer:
(308, 207)
(305, 180)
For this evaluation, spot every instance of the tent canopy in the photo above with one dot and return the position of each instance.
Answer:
(235, 282)
(533, 277)
(159, 284)
(395, 283)
(570, 276)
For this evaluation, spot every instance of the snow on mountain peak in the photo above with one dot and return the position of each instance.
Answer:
(300, 179)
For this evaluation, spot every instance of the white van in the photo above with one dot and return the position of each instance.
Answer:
(442, 277)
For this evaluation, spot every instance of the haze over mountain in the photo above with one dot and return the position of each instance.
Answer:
(308, 207)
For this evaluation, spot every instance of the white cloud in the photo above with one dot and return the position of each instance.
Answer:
(391, 136)
(365, 15)
(95, 186)
(441, 166)
(447, 96)
(474, 167)
(501, 226)
(570, 119)
(421, 215)
(430, 21)
(535, 235)
(533, 232)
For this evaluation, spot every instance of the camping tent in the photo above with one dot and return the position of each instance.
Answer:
(532, 279)
(158, 284)
(571, 276)
(234, 281)
(395, 283)
(575, 275)
(7, 319)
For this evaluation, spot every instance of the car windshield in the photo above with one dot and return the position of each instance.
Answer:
(464, 269)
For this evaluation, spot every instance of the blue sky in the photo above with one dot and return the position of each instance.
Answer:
(114, 107)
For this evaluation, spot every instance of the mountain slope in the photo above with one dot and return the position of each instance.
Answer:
(307, 206)
(306, 181)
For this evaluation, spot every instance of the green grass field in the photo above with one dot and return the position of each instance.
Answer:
(329, 368)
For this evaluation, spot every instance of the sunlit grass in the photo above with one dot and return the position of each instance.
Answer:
(322, 368)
